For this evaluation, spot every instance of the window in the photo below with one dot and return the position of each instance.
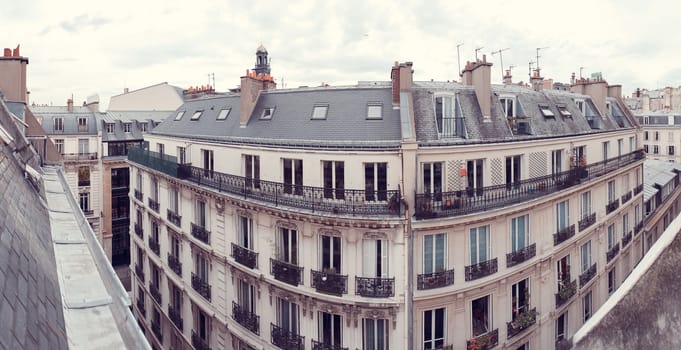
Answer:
(519, 233)
(612, 236)
(201, 325)
(507, 105)
(581, 106)
(645, 149)
(376, 181)
(196, 115)
(83, 146)
(434, 253)
(84, 176)
(434, 328)
(82, 123)
(179, 115)
(563, 111)
(58, 124)
(479, 244)
(334, 178)
(154, 189)
(223, 114)
(586, 303)
(657, 136)
(563, 271)
(562, 215)
(173, 200)
(319, 111)
(245, 232)
(586, 204)
(670, 136)
(375, 111)
(252, 171)
(606, 146)
(59, 144)
(546, 111)
(181, 155)
(175, 245)
(246, 296)
(143, 127)
(84, 201)
(611, 191)
(331, 254)
(620, 143)
(474, 177)
(208, 162)
(561, 326)
(201, 264)
(293, 176)
(287, 245)
(267, 113)
(330, 329)
(481, 316)
(155, 230)
(375, 258)
(520, 298)
(444, 115)
(611, 281)
(200, 214)
(645, 135)
(375, 334)
(432, 178)
(512, 172)
(175, 297)
(632, 143)
(139, 181)
(110, 127)
(161, 149)
(656, 149)
(556, 161)
(586, 256)
(670, 151)
(287, 316)
(127, 127)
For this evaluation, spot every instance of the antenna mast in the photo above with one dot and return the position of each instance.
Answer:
(476, 52)
(458, 58)
(580, 72)
(539, 48)
(501, 60)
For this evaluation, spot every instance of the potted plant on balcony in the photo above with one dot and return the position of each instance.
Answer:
(566, 290)
(525, 319)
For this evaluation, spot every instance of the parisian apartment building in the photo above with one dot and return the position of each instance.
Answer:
(385, 215)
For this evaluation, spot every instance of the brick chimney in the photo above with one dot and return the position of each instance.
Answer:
(479, 75)
(251, 85)
(69, 104)
(13, 73)
(402, 77)
(508, 77)
(596, 88)
(537, 81)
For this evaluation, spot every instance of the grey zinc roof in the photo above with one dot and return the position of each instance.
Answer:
(118, 118)
(70, 118)
(657, 172)
(345, 124)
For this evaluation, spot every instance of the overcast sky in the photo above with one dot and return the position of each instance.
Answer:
(91, 47)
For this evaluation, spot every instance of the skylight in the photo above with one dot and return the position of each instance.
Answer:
(267, 113)
(319, 111)
(223, 114)
(563, 111)
(546, 111)
(179, 115)
(374, 111)
(196, 115)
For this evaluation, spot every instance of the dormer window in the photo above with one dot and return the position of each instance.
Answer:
(608, 107)
(82, 124)
(127, 127)
(319, 111)
(223, 114)
(375, 111)
(508, 106)
(196, 115)
(179, 115)
(563, 111)
(546, 111)
(581, 106)
(143, 127)
(267, 113)
(59, 124)
(444, 115)
(110, 127)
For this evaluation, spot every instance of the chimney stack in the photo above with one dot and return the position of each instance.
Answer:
(479, 75)
(126, 90)
(596, 88)
(395, 79)
(251, 85)
(69, 105)
(507, 77)
(537, 81)
(13, 82)
(402, 77)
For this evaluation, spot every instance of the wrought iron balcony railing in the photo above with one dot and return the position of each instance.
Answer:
(612, 252)
(245, 256)
(626, 197)
(589, 274)
(481, 269)
(139, 271)
(141, 307)
(139, 196)
(200, 233)
(638, 228)
(433, 280)
(375, 287)
(484, 341)
(201, 286)
(175, 316)
(154, 205)
(138, 231)
(563, 235)
(154, 246)
(285, 272)
(521, 255)
(522, 321)
(329, 282)
(88, 212)
(79, 156)
(174, 218)
(350, 202)
(587, 221)
(247, 319)
(284, 339)
(612, 206)
(156, 329)
(462, 202)
(626, 239)
(566, 290)
(199, 343)
(638, 189)
(175, 264)
(155, 293)
(316, 345)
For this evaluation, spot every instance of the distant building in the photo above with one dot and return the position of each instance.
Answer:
(159, 97)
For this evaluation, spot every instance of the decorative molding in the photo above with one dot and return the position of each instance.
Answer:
(286, 224)
(329, 232)
(375, 235)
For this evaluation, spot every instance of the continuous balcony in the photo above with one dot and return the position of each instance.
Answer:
(199, 343)
(174, 218)
(175, 316)
(626, 197)
(154, 205)
(587, 276)
(175, 264)
(433, 280)
(468, 201)
(566, 290)
(626, 239)
(286, 340)
(612, 206)
(141, 307)
(200, 233)
(138, 231)
(612, 252)
(481, 270)
(563, 235)
(522, 321)
(155, 293)
(245, 256)
(156, 329)
(201, 286)
(328, 282)
(139, 271)
(638, 189)
(286, 272)
(356, 202)
(587, 221)
(484, 342)
(375, 287)
(139, 196)
(521, 255)
(316, 345)
(247, 319)
(79, 156)
(154, 246)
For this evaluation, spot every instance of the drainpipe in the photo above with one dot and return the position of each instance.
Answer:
(410, 281)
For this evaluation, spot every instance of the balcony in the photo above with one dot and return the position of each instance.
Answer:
(199, 343)
(626, 197)
(154, 246)
(88, 212)
(285, 339)
(638, 228)
(174, 218)
(139, 196)
(323, 346)
(626, 239)
(154, 205)
(484, 342)
(246, 318)
(285, 272)
(141, 307)
(563, 235)
(375, 287)
(139, 271)
(245, 256)
(156, 329)
(200, 233)
(155, 293)
(329, 282)
(175, 264)
(175, 316)
(349, 202)
(521, 255)
(468, 201)
(79, 156)
(523, 321)
(566, 290)
(138, 231)
(638, 189)
(201, 286)
(481, 270)
(433, 280)
(612, 206)
(612, 252)
(589, 274)
(587, 221)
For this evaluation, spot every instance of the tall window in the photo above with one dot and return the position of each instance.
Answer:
(611, 191)
(637, 214)
(181, 155)
(59, 144)
(330, 329)
(85, 201)
(246, 296)
(612, 236)
(562, 215)
(586, 256)
(175, 297)
(202, 267)
(444, 115)
(432, 178)
(127, 127)
(587, 305)
(563, 271)
(155, 231)
(474, 176)
(334, 179)
(293, 176)
(632, 144)
(201, 325)
(84, 176)
(143, 127)
(154, 189)
(434, 253)
(287, 245)
(376, 181)
(520, 294)
(287, 315)
(561, 326)
(245, 235)
(586, 204)
(252, 171)
(375, 258)
(625, 223)
(606, 146)
(331, 253)
(139, 180)
(375, 334)
(507, 105)
(434, 322)
(200, 214)
(83, 146)
(480, 245)
(161, 149)
(173, 200)
(481, 316)
(556, 161)
(512, 171)
(82, 124)
(611, 281)
(175, 244)
(520, 232)
(207, 158)
(59, 124)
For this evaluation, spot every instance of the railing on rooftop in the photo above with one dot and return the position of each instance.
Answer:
(468, 201)
(79, 156)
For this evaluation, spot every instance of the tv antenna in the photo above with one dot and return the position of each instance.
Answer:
(539, 48)
(501, 60)
(580, 72)
(458, 58)
(529, 73)
(476, 52)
